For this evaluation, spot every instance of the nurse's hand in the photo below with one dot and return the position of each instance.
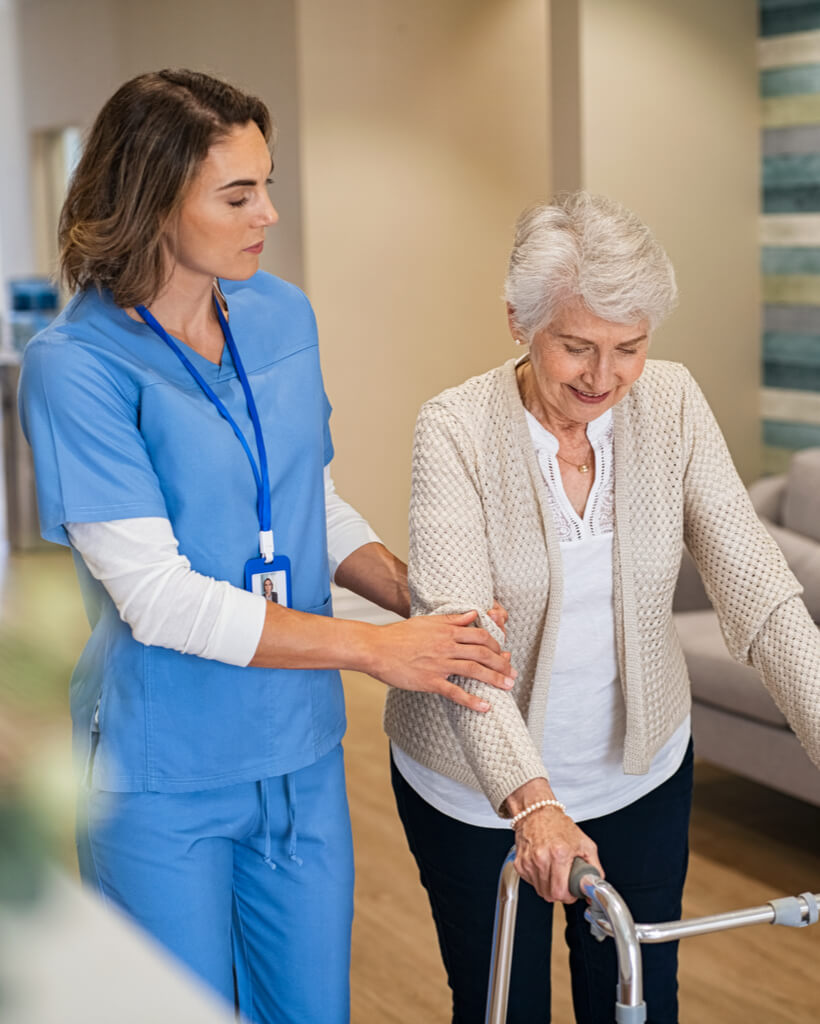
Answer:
(422, 652)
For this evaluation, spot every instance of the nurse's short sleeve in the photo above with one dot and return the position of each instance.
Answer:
(90, 461)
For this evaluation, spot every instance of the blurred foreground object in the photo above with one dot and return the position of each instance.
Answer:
(65, 956)
(69, 959)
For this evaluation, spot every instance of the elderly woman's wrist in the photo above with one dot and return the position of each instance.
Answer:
(554, 806)
(529, 793)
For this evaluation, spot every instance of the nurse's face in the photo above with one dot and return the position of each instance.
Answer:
(220, 228)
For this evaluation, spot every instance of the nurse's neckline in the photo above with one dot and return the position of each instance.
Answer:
(219, 295)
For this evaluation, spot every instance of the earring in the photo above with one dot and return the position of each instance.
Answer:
(519, 341)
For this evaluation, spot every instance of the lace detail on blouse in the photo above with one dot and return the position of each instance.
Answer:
(599, 514)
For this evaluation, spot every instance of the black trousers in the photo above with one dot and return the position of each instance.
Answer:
(644, 850)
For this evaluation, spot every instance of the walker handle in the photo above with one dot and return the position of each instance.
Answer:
(579, 870)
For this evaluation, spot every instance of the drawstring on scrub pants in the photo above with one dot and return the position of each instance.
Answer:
(290, 795)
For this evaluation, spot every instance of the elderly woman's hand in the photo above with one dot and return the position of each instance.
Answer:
(498, 613)
(547, 842)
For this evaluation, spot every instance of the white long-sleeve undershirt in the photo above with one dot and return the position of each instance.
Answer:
(167, 604)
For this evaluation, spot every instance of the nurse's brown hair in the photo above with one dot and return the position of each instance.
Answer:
(141, 154)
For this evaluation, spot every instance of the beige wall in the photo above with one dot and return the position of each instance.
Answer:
(423, 134)
(73, 55)
(16, 243)
(410, 138)
(251, 43)
(70, 60)
(670, 128)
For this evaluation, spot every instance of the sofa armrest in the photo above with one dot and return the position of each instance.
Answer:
(767, 497)
(690, 594)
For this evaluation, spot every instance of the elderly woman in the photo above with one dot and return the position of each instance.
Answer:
(566, 483)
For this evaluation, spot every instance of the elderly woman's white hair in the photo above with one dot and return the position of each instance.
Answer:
(589, 248)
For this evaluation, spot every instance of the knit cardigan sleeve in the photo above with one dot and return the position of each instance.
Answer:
(756, 596)
(449, 571)
(743, 570)
(786, 653)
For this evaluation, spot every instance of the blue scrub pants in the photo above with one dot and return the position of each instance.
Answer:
(255, 879)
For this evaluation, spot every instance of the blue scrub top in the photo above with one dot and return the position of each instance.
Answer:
(119, 429)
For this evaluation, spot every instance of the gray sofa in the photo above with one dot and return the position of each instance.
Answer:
(735, 722)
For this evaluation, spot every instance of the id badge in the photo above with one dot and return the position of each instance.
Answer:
(270, 580)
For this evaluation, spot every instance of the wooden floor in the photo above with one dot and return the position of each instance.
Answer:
(749, 844)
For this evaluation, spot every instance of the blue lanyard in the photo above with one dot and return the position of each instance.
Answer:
(260, 472)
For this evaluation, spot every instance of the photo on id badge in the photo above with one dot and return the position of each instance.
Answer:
(269, 581)
(271, 585)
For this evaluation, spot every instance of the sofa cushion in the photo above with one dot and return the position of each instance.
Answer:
(718, 679)
(801, 502)
(767, 496)
(803, 556)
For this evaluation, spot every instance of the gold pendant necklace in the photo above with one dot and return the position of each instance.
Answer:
(582, 468)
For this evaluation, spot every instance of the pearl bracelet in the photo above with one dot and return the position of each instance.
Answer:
(535, 807)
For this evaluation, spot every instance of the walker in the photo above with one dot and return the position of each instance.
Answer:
(609, 915)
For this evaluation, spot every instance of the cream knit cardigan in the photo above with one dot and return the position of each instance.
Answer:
(481, 529)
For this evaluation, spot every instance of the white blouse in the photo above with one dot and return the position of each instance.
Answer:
(582, 744)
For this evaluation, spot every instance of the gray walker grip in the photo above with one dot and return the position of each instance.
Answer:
(788, 910)
(579, 869)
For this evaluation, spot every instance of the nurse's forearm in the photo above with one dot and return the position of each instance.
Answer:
(417, 654)
(294, 639)
(375, 573)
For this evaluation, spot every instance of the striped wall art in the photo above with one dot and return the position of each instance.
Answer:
(789, 62)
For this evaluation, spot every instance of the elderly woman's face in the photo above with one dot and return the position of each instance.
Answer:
(583, 365)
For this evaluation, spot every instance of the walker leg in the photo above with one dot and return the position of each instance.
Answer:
(630, 1014)
(506, 910)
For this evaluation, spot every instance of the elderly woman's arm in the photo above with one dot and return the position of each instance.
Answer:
(754, 593)
(450, 571)
(786, 653)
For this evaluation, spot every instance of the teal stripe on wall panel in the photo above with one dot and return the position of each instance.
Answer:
(776, 22)
(801, 139)
(771, 5)
(805, 78)
(802, 199)
(792, 349)
(786, 260)
(793, 378)
(791, 360)
(780, 434)
(790, 170)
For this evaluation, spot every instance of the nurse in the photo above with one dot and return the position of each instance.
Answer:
(180, 434)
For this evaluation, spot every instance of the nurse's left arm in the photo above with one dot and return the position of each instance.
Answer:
(360, 562)
(357, 558)
(375, 573)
